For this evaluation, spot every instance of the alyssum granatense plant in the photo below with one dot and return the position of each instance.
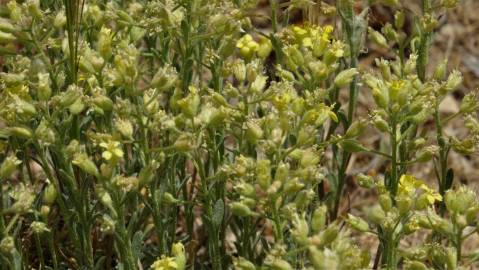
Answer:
(173, 134)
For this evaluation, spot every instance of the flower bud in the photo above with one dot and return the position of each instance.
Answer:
(178, 250)
(183, 143)
(165, 78)
(39, 227)
(9, 165)
(385, 202)
(440, 71)
(329, 234)
(103, 45)
(125, 127)
(469, 103)
(50, 194)
(44, 90)
(357, 223)
(279, 264)
(399, 19)
(377, 38)
(263, 173)
(318, 221)
(352, 146)
(45, 211)
(451, 258)
(85, 164)
(365, 181)
(460, 200)
(356, 129)
(45, 134)
(147, 174)
(345, 77)
(21, 132)
(240, 209)
(292, 186)
(107, 225)
(168, 198)
(253, 132)
(403, 204)
(6, 38)
(103, 102)
(7, 245)
(376, 214)
(243, 264)
(453, 81)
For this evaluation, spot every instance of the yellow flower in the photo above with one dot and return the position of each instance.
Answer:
(247, 46)
(112, 150)
(431, 195)
(164, 263)
(408, 184)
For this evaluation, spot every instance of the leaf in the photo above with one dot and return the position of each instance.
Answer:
(137, 244)
(218, 212)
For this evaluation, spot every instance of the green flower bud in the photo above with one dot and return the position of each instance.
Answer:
(399, 19)
(453, 81)
(6, 38)
(265, 47)
(39, 227)
(33, 7)
(318, 221)
(183, 143)
(125, 127)
(380, 123)
(385, 69)
(168, 198)
(21, 132)
(390, 33)
(7, 245)
(471, 214)
(103, 45)
(458, 201)
(385, 202)
(415, 265)
(357, 223)
(356, 129)
(440, 71)
(258, 84)
(44, 90)
(9, 165)
(103, 102)
(375, 214)
(241, 210)
(377, 38)
(60, 20)
(263, 173)
(469, 103)
(165, 78)
(292, 186)
(77, 107)
(50, 194)
(147, 174)
(253, 132)
(352, 146)
(279, 264)
(365, 181)
(403, 204)
(329, 234)
(345, 77)
(243, 264)
(24, 109)
(85, 164)
(178, 250)
(381, 97)
(45, 134)
(107, 225)
(427, 153)
(451, 259)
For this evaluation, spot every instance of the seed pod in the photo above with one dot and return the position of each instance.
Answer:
(292, 186)
(330, 234)
(318, 220)
(356, 129)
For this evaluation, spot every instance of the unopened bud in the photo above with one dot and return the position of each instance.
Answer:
(9, 165)
(85, 164)
(358, 223)
(345, 77)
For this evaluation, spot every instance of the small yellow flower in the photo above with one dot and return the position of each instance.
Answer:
(164, 263)
(247, 46)
(112, 150)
